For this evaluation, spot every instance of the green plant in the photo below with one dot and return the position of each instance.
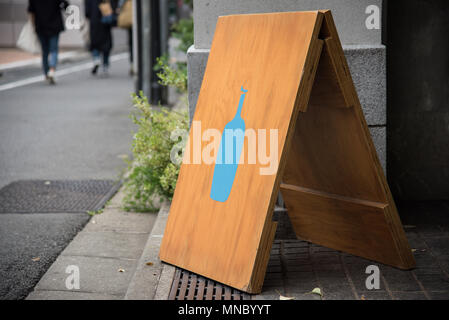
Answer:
(183, 30)
(92, 213)
(152, 175)
(175, 76)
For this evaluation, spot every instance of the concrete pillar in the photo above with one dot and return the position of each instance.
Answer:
(361, 36)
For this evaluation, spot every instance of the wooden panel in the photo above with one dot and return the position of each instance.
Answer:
(274, 57)
(332, 156)
(350, 225)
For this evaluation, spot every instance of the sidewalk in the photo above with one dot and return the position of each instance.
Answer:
(12, 58)
(117, 254)
(107, 253)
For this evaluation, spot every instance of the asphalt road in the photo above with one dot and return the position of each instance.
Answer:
(77, 129)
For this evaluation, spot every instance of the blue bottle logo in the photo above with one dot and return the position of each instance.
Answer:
(228, 156)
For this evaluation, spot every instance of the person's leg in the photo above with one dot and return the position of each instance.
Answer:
(131, 54)
(106, 54)
(45, 50)
(53, 49)
(96, 57)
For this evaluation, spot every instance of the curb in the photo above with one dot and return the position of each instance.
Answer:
(62, 57)
(152, 282)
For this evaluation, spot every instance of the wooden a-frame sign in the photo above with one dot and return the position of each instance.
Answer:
(292, 67)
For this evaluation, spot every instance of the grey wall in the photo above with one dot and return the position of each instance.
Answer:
(418, 99)
(349, 16)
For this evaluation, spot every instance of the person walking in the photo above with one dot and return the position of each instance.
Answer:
(102, 17)
(47, 19)
(125, 21)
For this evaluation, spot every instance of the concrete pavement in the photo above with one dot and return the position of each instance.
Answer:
(106, 252)
(78, 129)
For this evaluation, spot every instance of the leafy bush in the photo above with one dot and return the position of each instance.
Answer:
(152, 176)
(172, 76)
(183, 30)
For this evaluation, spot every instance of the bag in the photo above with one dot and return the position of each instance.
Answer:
(85, 34)
(108, 15)
(105, 8)
(28, 40)
(125, 18)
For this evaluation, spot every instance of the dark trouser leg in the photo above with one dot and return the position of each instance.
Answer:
(53, 50)
(45, 51)
(106, 54)
(130, 44)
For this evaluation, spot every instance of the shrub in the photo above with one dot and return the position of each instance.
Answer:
(152, 176)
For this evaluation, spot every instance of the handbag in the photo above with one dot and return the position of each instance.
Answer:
(85, 32)
(107, 14)
(125, 17)
(28, 40)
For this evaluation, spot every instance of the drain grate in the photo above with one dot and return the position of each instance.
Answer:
(46, 196)
(189, 286)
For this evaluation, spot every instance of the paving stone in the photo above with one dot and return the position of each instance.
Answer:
(438, 245)
(374, 295)
(112, 220)
(400, 280)
(434, 282)
(301, 283)
(424, 259)
(273, 275)
(71, 295)
(417, 243)
(338, 294)
(304, 296)
(433, 269)
(444, 295)
(358, 276)
(325, 258)
(97, 275)
(409, 296)
(299, 267)
(274, 269)
(107, 244)
(268, 293)
(274, 282)
(298, 260)
(335, 283)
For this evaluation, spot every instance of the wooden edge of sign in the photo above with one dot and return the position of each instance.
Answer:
(391, 213)
(328, 219)
(301, 102)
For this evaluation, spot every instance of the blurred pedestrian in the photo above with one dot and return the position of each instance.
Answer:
(102, 17)
(47, 18)
(125, 21)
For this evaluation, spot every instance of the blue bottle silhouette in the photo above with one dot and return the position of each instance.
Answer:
(229, 155)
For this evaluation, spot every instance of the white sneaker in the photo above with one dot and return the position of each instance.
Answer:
(51, 77)
(105, 71)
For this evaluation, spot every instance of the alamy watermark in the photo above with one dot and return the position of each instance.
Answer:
(72, 18)
(373, 19)
(260, 147)
(72, 282)
(373, 280)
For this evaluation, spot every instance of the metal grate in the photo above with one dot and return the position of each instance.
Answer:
(46, 196)
(189, 286)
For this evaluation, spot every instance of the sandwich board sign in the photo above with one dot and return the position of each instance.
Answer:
(278, 111)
